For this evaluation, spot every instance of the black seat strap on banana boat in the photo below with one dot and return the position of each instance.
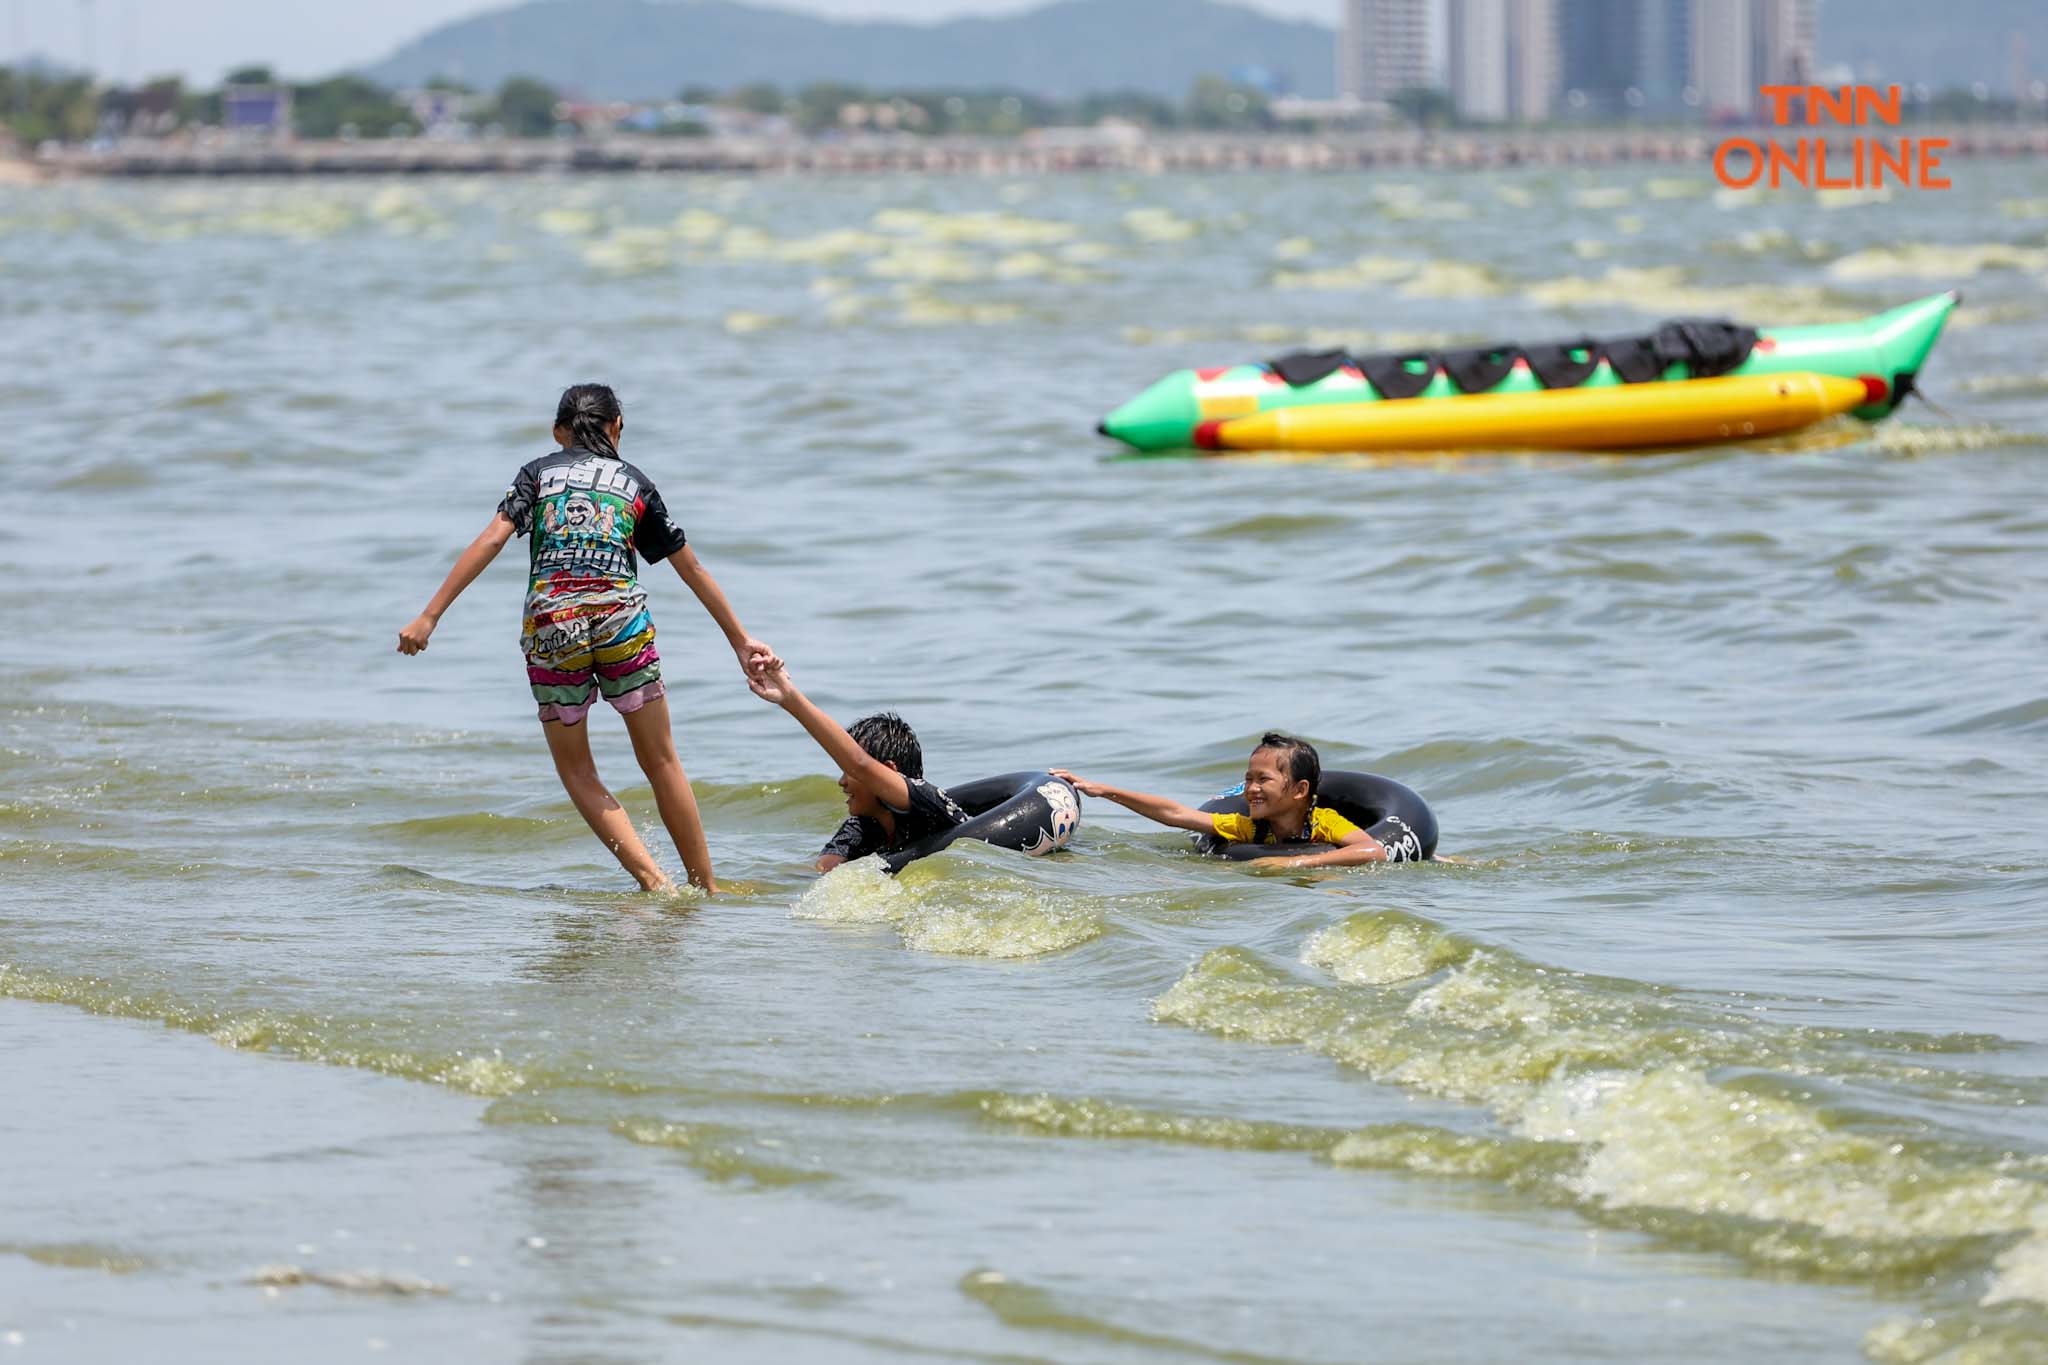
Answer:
(1707, 347)
(1478, 370)
(1304, 368)
(1395, 376)
(1634, 360)
(1563, 364)
(1710, 347)
(1392, 376)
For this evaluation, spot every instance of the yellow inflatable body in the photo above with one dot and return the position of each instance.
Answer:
(1634, 417)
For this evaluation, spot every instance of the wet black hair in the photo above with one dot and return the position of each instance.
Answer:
(1303, 762)
(587, 411)
(886, 736)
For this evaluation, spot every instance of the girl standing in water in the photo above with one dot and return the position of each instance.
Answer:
(591, 517)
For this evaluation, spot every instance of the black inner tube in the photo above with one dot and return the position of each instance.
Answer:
(1382, 807)
(1032, 812)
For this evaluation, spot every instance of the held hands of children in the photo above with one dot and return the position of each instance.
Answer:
(771, 682)
(756, 658)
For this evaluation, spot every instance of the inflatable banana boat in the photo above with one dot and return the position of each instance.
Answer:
(1690, 382)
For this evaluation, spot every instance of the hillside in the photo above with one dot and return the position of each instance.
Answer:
(652, 48)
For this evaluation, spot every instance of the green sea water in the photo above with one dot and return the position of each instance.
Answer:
(327, 1030)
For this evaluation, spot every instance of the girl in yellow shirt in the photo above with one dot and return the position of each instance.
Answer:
(1280, 782)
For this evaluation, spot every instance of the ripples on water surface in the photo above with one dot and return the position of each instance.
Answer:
(1727, 1042)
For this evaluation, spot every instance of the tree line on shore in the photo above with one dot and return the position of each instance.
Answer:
(39, 105)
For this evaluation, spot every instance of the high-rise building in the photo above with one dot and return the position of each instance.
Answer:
(1724, 56)
(1504, 58)
(1664, 45)
(1624, 57)
(1533, 59)
(1479, 58)
(1384, 48)
(1598, 38)
(1739, 45)
(1786, 33)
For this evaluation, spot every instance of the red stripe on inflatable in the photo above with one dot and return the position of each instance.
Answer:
(1209, 435)
(1214, 372)
(1766, 344)
(1875, 390)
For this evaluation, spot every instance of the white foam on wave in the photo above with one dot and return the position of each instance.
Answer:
(859, 892)
(982, 228)
(1378, 949)
(1667, 289)
(1475, 997)
(1937, 261)
(958, 905)
(2022, 1269)
(1648, 1097)
(1672, 1138)
(1158, 225)
(632, 251)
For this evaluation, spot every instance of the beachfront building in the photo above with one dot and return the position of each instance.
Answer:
(257, 110)
(1664, 68)
(1384, 49)
(1723, 57)
(1739, 45)
(1615, 59)
(1625, 58)
(1787, 33)
(1504, 59)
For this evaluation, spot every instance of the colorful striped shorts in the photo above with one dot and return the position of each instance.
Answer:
(575, 651)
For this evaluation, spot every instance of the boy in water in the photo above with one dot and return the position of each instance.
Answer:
(1280, 783)
(881, 769)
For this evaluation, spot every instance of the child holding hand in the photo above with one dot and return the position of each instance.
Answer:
(587, 632)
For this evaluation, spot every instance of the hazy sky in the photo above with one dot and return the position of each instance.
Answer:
(200, 39)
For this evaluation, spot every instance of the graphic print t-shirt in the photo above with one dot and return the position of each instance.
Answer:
(590, 519)
(1325, 826)
(931, 812)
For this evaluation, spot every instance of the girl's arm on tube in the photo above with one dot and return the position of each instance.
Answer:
(753, 655)
(468, 565)
(1158, 808)
(1358, 847)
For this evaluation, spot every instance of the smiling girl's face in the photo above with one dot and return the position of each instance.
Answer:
(1270, 794)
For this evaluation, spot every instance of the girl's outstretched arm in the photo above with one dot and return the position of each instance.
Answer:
(753, 655)
(1164, 810)
(472, 562)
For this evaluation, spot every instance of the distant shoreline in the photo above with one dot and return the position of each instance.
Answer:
(1076, 151)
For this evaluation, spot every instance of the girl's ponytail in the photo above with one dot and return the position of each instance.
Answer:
(587, 410)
